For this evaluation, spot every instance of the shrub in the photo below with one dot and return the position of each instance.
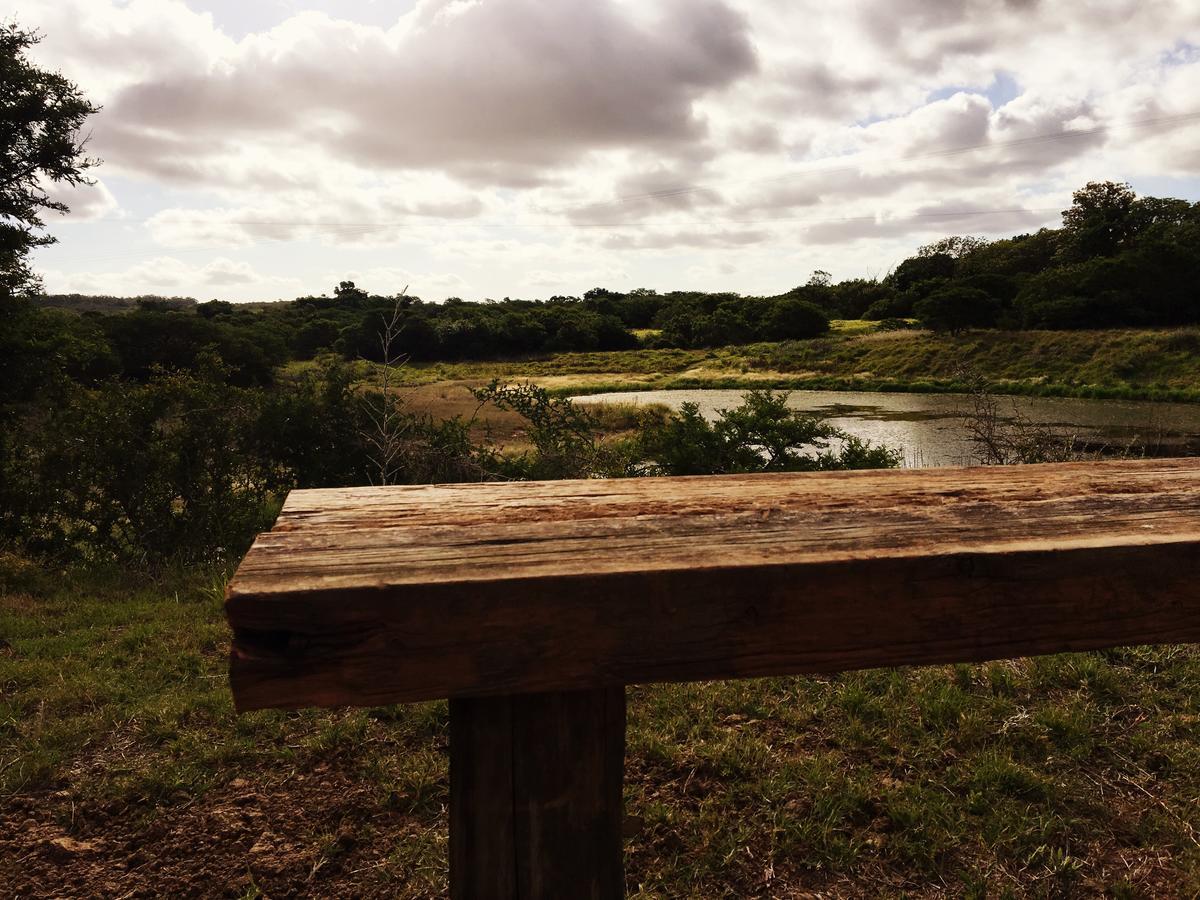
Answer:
(161, 470)
(792, 319)
(955, 309)
(761, 435)
(564, 436)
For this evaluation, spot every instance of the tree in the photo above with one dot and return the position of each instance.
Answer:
(1100, 220)
(923, 273)
(349, 294)
(761, 435)
(792, 319)
(956, 309)
(955, 246)
(1018, 255)
(41, 114)
(212, 308)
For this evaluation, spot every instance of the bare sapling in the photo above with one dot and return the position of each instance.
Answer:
(385, 433)
(1013, 439)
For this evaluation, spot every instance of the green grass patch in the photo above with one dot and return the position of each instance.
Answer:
(1062, 775)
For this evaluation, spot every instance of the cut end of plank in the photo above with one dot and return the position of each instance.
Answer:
(291, 669)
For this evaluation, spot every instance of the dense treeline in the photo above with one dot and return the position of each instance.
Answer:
(349, 322)
(253, 339)
(1118, 260)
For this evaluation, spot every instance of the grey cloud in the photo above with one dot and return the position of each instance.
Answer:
(177, 159)
(800, 192)
(962, 120)
(1037, 136)
(822, 90)
(512, 175)
(919, 151)
(225, 276)
(821, 78)
(955, 144)
(465, 208)
(84, 201)
(758, 137)
(944, 29)
(360, 218)
(518, 83)
(694, 238)
(646, 194)
(947, 217)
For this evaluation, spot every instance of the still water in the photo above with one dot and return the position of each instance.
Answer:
(929, 428)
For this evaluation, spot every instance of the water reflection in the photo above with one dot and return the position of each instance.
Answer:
(929, 428)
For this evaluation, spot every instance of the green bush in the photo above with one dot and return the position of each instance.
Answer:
(162, 470)
(186, 467)
(761, 435)
(956, 309)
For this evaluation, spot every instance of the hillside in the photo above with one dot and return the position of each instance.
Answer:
(1159, 364)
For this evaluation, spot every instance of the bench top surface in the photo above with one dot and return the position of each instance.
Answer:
(380, 595)
(406, 537)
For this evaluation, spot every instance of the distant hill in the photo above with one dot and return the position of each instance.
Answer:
(106, 304)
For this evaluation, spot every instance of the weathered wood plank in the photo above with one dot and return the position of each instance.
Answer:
(376, 595)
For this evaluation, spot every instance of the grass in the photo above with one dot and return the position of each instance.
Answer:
(1072, 775)
(1150, 364)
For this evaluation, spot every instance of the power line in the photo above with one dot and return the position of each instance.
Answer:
(166, 251)
(674, 224)
(825, 221)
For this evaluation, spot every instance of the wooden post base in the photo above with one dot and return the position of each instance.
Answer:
(535, 796)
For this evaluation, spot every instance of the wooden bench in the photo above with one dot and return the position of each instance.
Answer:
(531, 605)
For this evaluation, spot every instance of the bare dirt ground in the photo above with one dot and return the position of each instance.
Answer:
(287, 836)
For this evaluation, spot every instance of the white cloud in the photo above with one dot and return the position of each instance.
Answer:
(392, 280)
(485, 141)
(511, 88)
(169, 275)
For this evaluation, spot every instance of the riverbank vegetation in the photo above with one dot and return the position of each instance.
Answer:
(1150, 364)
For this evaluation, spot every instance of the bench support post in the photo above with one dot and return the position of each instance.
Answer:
(535, 795)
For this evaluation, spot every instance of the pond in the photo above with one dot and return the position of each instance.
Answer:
(929, 428)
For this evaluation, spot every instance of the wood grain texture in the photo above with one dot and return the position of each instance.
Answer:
(535, 796)
(483, 851)
(365, 596)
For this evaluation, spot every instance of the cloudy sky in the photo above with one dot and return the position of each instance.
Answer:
(259, 149)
